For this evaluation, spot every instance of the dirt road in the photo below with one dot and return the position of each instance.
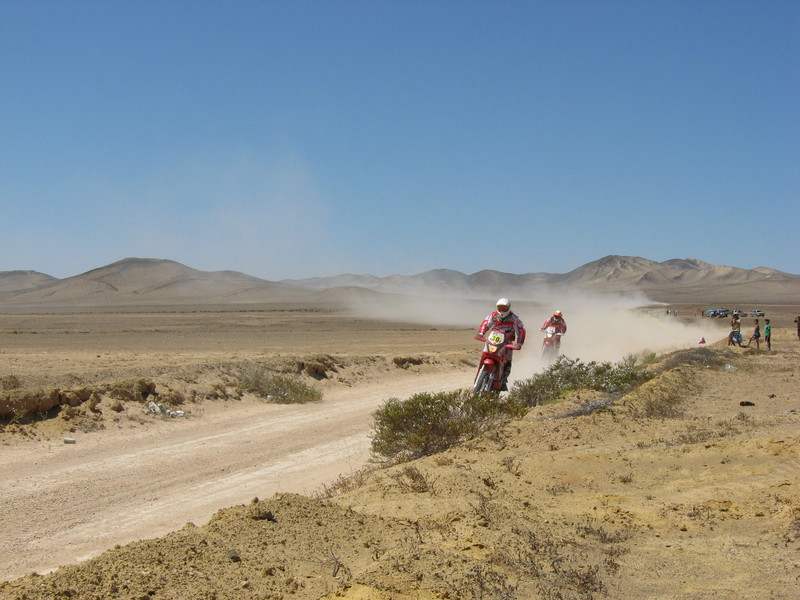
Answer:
(64, 503)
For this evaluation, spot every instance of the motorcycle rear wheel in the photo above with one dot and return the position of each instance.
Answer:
(484, 381)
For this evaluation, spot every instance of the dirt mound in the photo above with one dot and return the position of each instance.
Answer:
(290, 546)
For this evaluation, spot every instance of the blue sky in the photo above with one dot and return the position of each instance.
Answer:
(301, 139)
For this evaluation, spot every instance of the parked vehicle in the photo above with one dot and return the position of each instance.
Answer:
(741, 313)
(756, 313)
(723, 312)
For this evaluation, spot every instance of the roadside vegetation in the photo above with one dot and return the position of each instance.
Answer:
(570, 374)
(280, 389)
(429, 423)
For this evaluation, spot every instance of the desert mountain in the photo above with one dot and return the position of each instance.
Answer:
(155, 282)
(138, 281)
(675, 280)
(22, 280)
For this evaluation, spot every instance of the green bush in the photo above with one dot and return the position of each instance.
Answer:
(276, 388)
(570, 374)
(648, 357)
(428, 423)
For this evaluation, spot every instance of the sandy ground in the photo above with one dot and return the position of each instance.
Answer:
(612, 504)
(152, 476)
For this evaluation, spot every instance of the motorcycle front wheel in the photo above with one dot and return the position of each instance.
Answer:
(483, 383)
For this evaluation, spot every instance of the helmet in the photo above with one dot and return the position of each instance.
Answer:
(504, 307)
(557, 313)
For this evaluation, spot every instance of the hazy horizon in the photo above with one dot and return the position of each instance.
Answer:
(353, 274)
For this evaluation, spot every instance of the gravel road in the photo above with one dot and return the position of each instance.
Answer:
(64, 503)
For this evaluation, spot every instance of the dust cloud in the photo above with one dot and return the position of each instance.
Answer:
(600, 327)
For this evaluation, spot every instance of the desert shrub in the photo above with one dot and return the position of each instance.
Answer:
(411, 479)
(10, 382)
(428, 423)
(276, 388)
(699, 357)
(570, 374)
(645, 357)
(648, 357)
(346, 483)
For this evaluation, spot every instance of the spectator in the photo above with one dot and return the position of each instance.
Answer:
(797, 321)
(768, 334)
(735, 336)
(755, 337)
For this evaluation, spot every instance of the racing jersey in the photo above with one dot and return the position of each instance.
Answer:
(512, 325)
(559, 324)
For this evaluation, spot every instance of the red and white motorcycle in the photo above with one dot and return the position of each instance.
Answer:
(491, 368)
(551, 343)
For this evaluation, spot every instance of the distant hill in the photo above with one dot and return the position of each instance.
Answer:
(148, 281)
(159, 282)
(11, 281)
(675, 280)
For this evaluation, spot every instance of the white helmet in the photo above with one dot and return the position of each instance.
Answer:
(504, 307)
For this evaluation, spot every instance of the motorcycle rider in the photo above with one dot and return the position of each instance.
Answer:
(510, 324)
(556, 321)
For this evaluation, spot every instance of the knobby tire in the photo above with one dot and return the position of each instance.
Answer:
(484, 381)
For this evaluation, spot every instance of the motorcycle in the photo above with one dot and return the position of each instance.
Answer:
(551, 343)
(491, 368)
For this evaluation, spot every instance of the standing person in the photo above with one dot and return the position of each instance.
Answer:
(755, 337)
(510, 324)
(735, 336)
(797, 320)
(768, 334)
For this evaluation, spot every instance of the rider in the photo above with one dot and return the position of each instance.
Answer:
(556, 321)
(509, 323)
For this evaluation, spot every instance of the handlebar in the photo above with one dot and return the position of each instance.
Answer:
(509, 346)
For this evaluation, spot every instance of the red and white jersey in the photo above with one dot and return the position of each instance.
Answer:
(511, 324)
(559, 324)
